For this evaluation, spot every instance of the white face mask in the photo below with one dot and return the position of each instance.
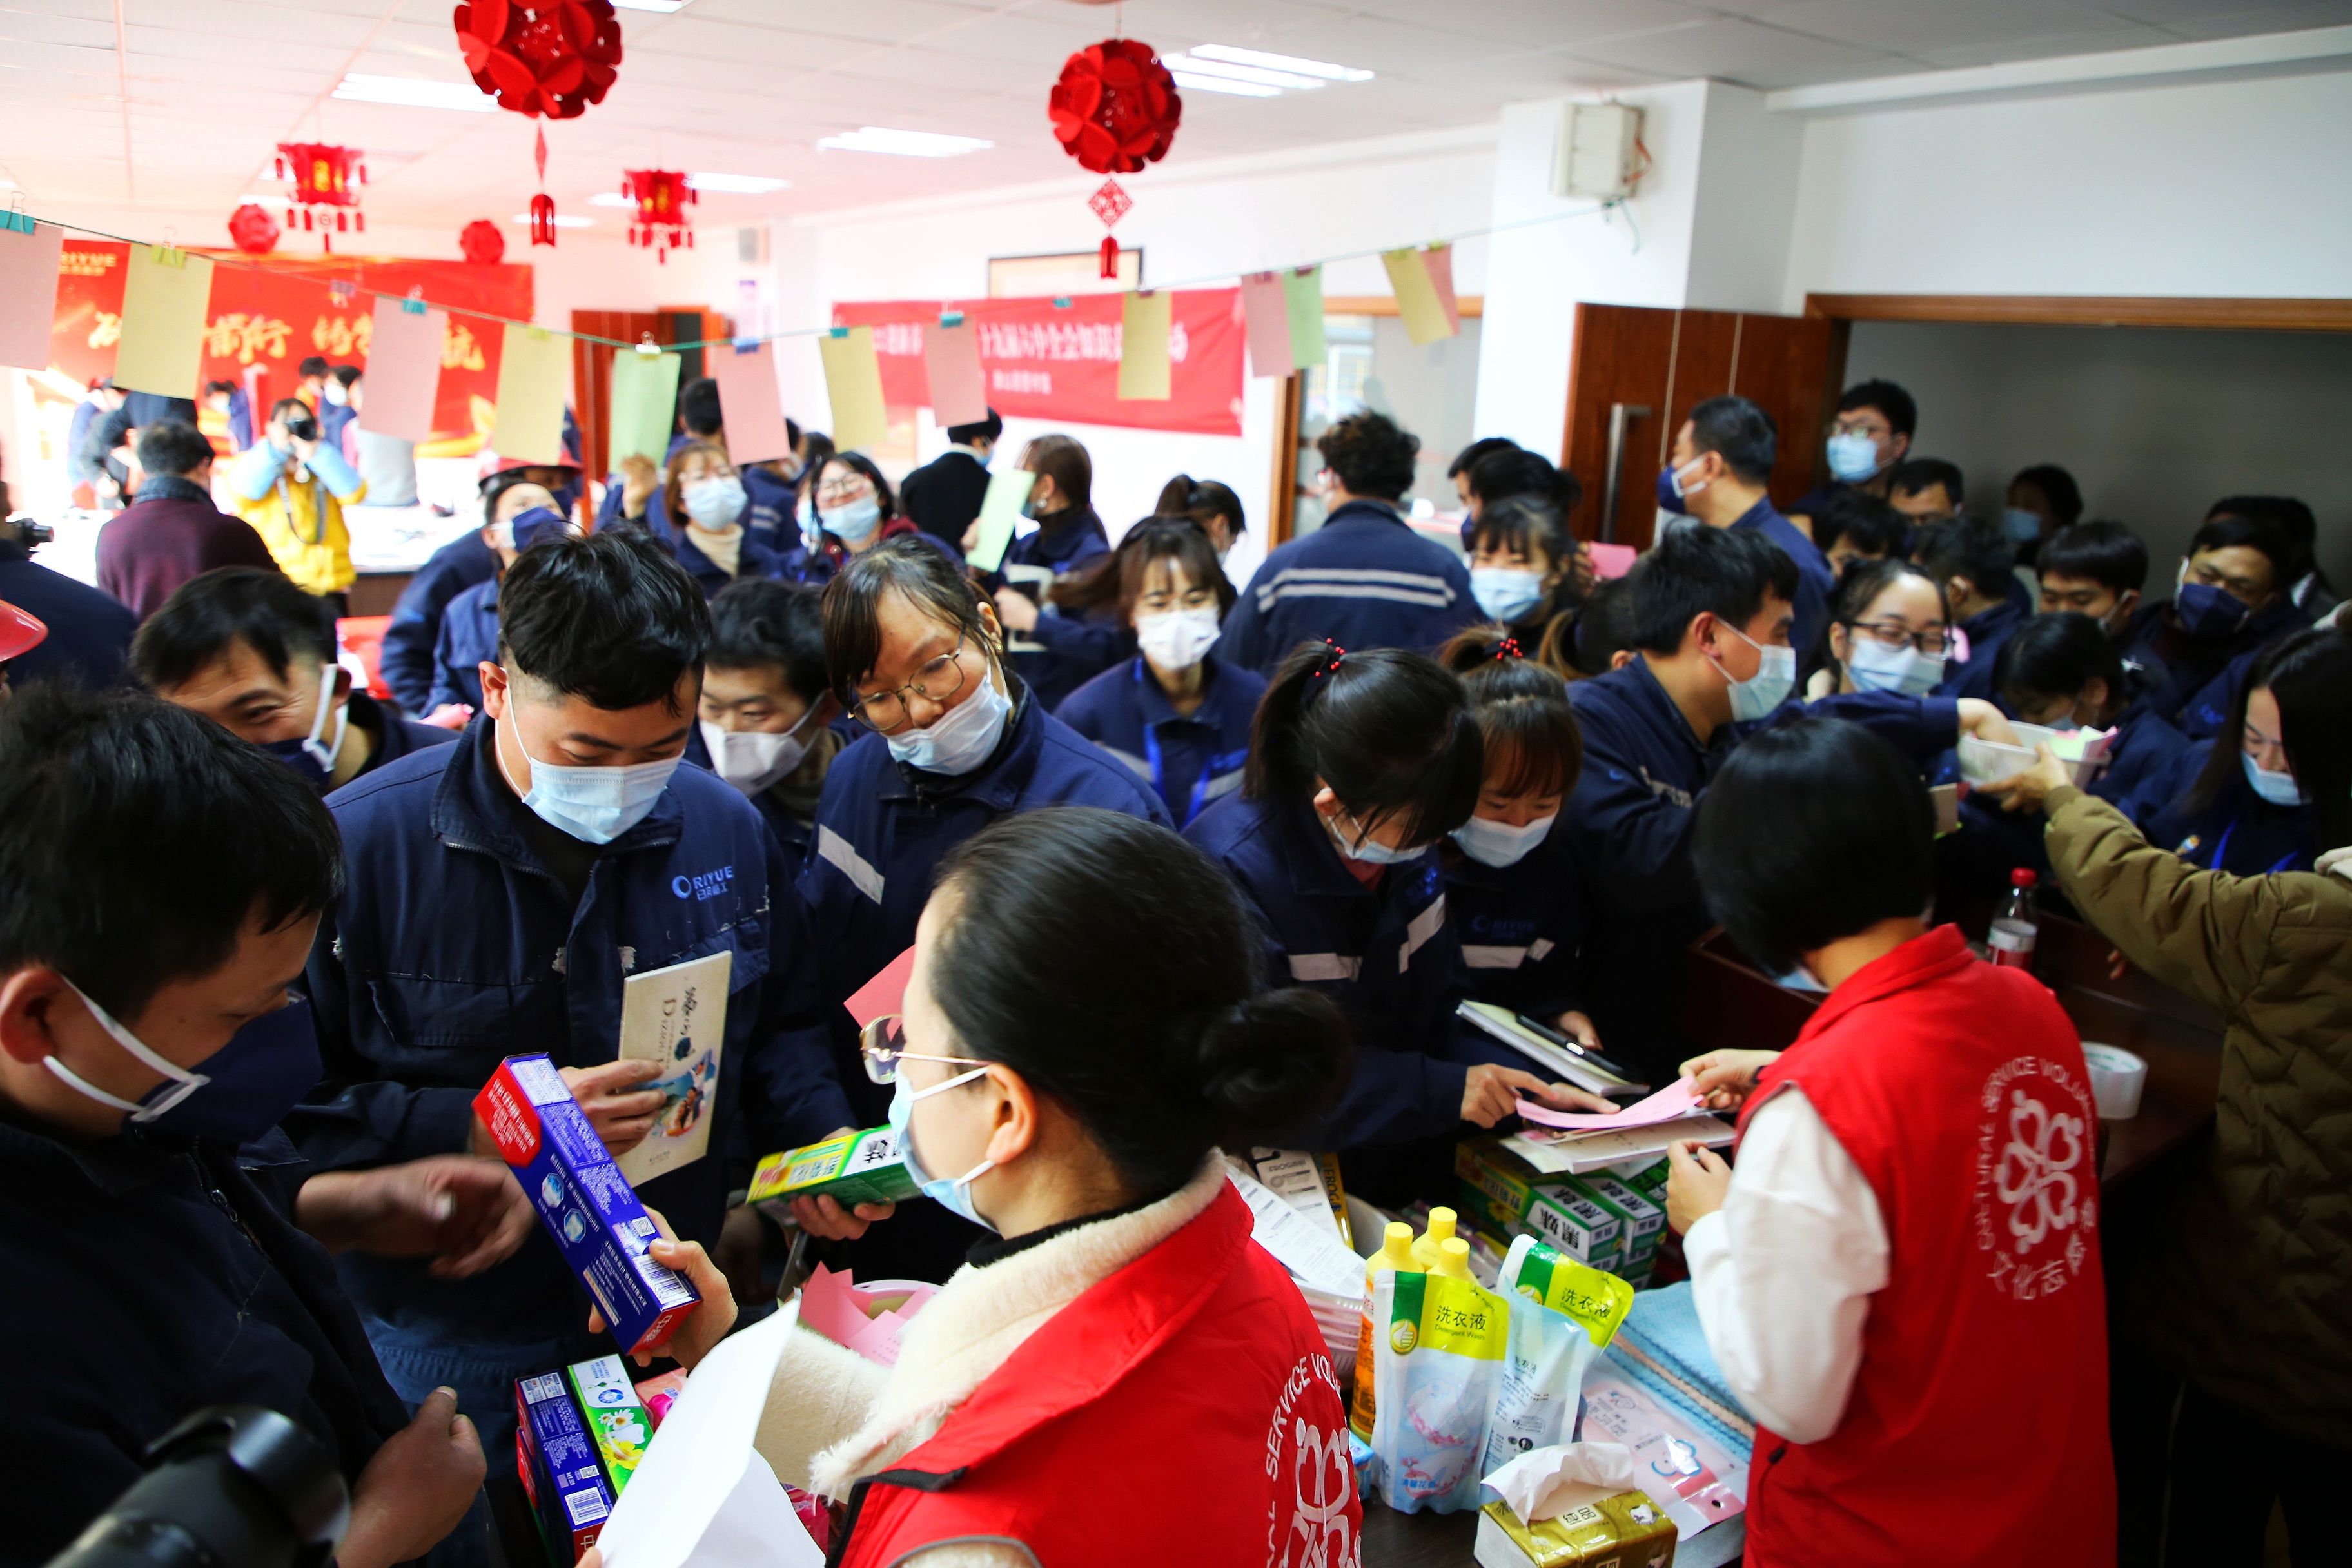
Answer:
(595, 806)
(1505, 593)
(1177, 639)
(183, 1081)
(1360, 846)
(751, 760)
(958, 739)
(714, 503)
(1878, 668)
(1500, 843)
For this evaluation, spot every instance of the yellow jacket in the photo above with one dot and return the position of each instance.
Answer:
(300, 518)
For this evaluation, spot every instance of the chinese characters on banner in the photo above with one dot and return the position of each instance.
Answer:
(278, 319)
(1060, 362)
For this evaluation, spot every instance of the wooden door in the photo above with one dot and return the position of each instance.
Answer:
(1640, 371)
(592, 364)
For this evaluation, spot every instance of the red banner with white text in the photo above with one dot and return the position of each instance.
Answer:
(1058, 359)
(278, 318)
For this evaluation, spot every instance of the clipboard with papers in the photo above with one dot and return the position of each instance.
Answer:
(1551, 1050)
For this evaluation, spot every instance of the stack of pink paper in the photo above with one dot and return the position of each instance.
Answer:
(868, 1319)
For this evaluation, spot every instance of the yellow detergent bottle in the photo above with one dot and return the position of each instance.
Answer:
(1395, 1257)
(1440, 1231)
(1453, 1258)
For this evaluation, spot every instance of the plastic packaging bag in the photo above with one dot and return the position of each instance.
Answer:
(1563, 1313)
(1437, 1362)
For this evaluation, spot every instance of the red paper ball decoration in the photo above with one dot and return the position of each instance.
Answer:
(1115, 107)
(482, 243)
(541, 57)
(254, 231)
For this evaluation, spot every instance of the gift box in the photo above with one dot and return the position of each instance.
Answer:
(1624, 1530)
(854, 1168)
(560, 1469)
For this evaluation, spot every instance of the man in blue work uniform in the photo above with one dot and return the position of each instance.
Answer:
(1970, 560)
(1721, 461)
(1364, 579)
(956, 740)
(1712, 614)
(500, 891)
(769, 723)
(2229, 601)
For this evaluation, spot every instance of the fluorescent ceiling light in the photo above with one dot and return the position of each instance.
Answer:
(610, 199)
(663, 7)
(1192, 83)
(413, 93)
(1323, 69)
(739, 184)
(1221, 70)
(905, 144)
(561, 221)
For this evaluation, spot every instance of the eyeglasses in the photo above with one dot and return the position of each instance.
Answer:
(939, 679)
(843, 488)
(881, 1045)
(1933, 642)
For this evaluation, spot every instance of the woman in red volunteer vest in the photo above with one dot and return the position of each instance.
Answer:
(1081, 1029)
(1901, 1278)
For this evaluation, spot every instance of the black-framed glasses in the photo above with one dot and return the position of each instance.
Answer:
(882, 1045)
(1934, 642)
(939, 679)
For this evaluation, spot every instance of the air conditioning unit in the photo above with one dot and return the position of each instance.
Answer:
(1598, 152)
(751, 245)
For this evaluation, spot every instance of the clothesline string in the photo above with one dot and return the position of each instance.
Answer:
(355, 288)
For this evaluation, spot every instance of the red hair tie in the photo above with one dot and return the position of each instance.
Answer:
(1509, 648)
(1332, 663)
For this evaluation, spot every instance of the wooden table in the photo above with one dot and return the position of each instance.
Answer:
(1393, 1540)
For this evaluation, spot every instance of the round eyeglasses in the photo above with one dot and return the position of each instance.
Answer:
(882, 1045)
(939, 679)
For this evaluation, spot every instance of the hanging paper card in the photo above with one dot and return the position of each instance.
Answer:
(748, 402)
(28, 294)
(1266, 313)
(951, 361)
(643, 406)
(534, 373)
(403, 371)
(853, 381)
(1000, 511)
(164, 293)
(1143, 346)
(1439, 261)
(1302, 290)
(1416, 296)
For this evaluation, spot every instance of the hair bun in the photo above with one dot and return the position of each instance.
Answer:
(1274, 1059)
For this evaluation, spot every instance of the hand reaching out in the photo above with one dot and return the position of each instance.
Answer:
(1491, 1092)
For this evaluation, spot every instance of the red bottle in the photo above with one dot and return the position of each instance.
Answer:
(2015, 924)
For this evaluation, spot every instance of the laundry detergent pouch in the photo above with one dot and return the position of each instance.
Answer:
(1435, 1367)
(1563, 1313)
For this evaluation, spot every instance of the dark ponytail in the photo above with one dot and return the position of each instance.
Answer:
(1534, 745)
(1113, 966)
(1200, 499)
(1388, 729)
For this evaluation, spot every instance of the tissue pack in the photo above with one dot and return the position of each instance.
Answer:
(854, 1168)
(587, 1205)
(1624, 1530)
(559, 1468)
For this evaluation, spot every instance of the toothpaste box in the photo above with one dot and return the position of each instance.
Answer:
(559, 1467)
(584, 1200)
(854, 1168)
(618, 1423)
(1575, 1225)
(1645, 1221)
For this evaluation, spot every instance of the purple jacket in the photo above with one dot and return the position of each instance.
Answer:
(170, 534)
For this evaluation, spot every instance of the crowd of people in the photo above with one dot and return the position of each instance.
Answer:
(1183, 862)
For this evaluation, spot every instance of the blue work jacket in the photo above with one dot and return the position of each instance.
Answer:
(1386, 953)
(1986, 630)
(754, 558)
(470, 633)
(454, 947)
(415, 629)
(1815, 581)
(1363, 580)
(882, 829)
(2173, 669)
(1072, 649)
(772, 514)
(1189, 761)
(2240, 832)
(1521, 926)
(792, 831)
(1631, 816)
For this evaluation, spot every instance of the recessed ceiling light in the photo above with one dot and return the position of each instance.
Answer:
(1323, 69)
(1197, 65)
(739, 184)
(413, 93)
(663, 7)
(905, 144)
(1218, 84)
(561, 221)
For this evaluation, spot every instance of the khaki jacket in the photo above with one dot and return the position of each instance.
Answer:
(2255, 1290)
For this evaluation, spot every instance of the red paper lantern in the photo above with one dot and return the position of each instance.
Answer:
(253, 230)
(661, 197)
(543, 219)
(325, 185)
(542, 57)
(482, 243)
(1115, 107)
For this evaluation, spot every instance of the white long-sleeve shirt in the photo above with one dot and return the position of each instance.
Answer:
(1783, 1273)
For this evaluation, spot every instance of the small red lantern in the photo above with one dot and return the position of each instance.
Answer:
(253, 230)
(1116, 107)
(482, 243)
(543, 219)
(326, 184)
(661, 197)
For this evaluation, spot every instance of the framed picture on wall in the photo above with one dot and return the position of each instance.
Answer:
(1058, 275)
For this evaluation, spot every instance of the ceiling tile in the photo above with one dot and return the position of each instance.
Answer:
(2275, 18)
(1744, 52)
(51, 27)
(1549, 24)
(1913, 26)
(881, 21)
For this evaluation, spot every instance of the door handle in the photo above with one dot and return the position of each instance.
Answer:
(1620, 415)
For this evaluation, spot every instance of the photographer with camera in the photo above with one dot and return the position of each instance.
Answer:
(292, 487)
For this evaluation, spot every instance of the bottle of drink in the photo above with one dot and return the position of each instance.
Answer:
(2014, 924)
(1441, 1230)
(1395, 1257)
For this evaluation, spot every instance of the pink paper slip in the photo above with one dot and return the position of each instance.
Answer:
(882, 993)
(868, 1318)
(1674, 1099)
(1610, 560)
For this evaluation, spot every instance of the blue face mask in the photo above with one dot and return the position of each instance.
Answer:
(1505, 593)
(247, 1087)
(1360, 846)
(958, 739)
(595, 806)
(1675, 491)
(952, 1194)
(1905, 672)
(854, 523)
(2022, 527)
(1853, 456)
(2207, 611)
(2279, 789)
(314, 757)
(1775, 677)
